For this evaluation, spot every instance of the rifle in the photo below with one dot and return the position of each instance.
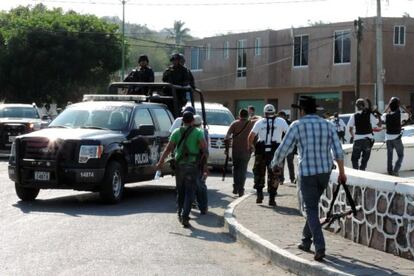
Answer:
(332, 217)
(226, 162)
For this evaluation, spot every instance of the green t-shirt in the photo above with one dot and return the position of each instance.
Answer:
(192, 142)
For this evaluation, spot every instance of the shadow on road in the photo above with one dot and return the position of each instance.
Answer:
(136, 200)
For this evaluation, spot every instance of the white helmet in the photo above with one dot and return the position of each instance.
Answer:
(269, 109)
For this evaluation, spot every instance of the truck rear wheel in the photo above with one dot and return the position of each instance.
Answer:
(112, 186)
(26, 194)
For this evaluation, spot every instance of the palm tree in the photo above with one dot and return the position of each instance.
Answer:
(178, 33)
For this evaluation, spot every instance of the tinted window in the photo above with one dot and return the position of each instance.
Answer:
(163, 119)
(142, 117)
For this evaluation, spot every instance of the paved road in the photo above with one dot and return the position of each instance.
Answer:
(72, 233)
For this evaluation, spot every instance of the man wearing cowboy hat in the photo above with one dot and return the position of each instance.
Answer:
(315, 138)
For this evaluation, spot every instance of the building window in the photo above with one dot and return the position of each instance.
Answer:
(258, 46)
(226, 46)
(342, 47)
(208, 51)
(241, 58)
(196, 58)
(399, 35)
(301, 48)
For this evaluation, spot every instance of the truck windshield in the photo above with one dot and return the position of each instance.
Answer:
(18, 112)
(218, 117)
(99, 117)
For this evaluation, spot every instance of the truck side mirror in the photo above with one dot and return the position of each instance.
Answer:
(142, 130)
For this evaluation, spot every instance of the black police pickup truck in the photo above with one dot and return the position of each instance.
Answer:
(96, 145)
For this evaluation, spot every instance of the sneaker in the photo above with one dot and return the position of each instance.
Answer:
(272, 202)
(319, 255)
(303, 247)
(293, 181)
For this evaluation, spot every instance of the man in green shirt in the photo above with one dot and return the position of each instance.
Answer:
(190, 149)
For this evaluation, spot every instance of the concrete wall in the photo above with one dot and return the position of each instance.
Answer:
(386, 219)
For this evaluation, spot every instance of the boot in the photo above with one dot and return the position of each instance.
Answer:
(272, 201)
(259, 196)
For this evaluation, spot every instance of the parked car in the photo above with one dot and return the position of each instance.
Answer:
(16, 119)
(408, 131)
(218, 119)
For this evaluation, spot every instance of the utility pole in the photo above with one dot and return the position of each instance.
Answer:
(380, 75)
(358, 28)
(123, 41)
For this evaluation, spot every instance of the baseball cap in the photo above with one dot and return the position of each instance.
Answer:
(198, 120)
(188, 117)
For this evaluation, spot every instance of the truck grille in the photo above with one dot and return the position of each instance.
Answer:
(8, 132)
(44, 149)
(217, 143)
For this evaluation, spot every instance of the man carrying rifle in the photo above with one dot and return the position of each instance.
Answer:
(269, 131)
(315, 139)
(238, 132)
(361, 126)
(393, 119)
(190, 150)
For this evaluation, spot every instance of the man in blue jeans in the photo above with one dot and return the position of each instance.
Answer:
(393, 118)
(315, 139)
(190, 147)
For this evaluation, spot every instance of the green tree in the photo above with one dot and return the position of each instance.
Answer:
(141, 40)
(55, 56)
(179, 34)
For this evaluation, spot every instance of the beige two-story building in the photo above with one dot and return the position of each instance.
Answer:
(276, 67)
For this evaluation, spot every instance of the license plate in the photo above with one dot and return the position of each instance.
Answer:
(12, 138)
(42, 176)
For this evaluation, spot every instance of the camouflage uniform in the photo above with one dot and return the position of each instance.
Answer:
(261, 164)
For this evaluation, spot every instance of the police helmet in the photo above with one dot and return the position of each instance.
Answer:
(269, 109)
(143, 58)
(175, 56)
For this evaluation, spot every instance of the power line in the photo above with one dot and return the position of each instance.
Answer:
(160, 4)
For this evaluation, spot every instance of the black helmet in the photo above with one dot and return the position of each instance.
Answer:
(143, 58)
(182, 58)
(175, 56)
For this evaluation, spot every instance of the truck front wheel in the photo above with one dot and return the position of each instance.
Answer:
(113, 184)
(26, 194)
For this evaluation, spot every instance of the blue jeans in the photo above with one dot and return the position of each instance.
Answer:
(201, 194)
(312, 187)
(399, 148)
(239, 172)
(186, 177)
(361, 146)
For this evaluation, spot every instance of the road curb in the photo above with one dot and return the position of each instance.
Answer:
(275, 254)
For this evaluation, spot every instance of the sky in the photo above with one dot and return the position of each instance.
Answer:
(207, 18)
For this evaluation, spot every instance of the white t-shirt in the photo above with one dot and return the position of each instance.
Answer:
(351, 123)
(279, 127)
(339, 125)
(176, 124)
(404, 117)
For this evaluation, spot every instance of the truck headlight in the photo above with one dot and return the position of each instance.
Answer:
(89, 152)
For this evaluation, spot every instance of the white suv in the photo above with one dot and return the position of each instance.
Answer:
(218, 119)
